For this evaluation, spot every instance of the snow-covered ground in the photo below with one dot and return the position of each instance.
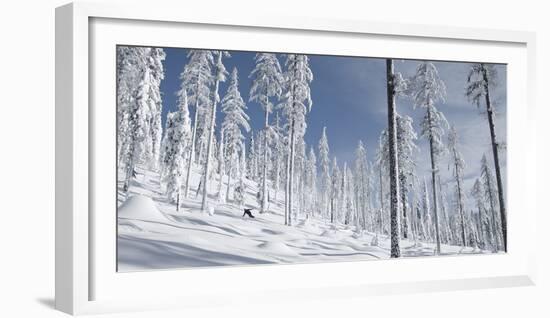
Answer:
(153, 235)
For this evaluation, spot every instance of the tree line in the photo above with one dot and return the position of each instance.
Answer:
(385, 196)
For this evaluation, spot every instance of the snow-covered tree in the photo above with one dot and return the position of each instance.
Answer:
(267, 82)
(324, 164)
(177, 142)
(478, 194)
(196, 79)
(311, 179)
(156, 56)
(166, 148)
(219, 76)
(448, 234)
(127, 74)
(278, 156)
(296, 103)
(382, 167)
(240, 188)
(490, 193)
(252, 168)
(235, 118)
(140, 72)
(426, 219)
(361, 183)
(427, 89)
(348, 202)
(335, 190)
(481, 79)
(300, 164)
(406, 146)
(458, 165)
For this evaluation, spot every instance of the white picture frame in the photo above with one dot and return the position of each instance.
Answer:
(85, 281)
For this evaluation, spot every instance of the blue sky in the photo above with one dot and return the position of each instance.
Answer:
(349, 98)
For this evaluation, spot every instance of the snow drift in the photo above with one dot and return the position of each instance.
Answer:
(139, 207)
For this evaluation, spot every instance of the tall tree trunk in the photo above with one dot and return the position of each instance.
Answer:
(264, 172)
(403, 186)
(434, 187)
(394, 171)
(192, 150)
(210, 141)
(491, 118)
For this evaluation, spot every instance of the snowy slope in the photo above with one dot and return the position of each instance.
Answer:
(153, 235)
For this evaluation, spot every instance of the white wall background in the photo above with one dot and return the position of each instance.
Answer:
(27, 159)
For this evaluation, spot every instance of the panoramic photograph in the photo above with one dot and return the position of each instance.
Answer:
(231, 158)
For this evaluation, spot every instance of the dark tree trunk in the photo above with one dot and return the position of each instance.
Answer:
(491, 118)
(394, 182)
(403, 189)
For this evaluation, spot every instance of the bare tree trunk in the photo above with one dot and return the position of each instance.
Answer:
(394, 171)
(494, 143)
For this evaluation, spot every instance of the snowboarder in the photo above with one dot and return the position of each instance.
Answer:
(248, 212)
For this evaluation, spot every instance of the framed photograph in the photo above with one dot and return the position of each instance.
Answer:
(210, 158)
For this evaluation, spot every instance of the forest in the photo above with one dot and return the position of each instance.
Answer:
(187, 171)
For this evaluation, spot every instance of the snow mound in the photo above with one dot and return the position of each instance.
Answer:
(140, 207)
(328, 233)
(276, 248)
